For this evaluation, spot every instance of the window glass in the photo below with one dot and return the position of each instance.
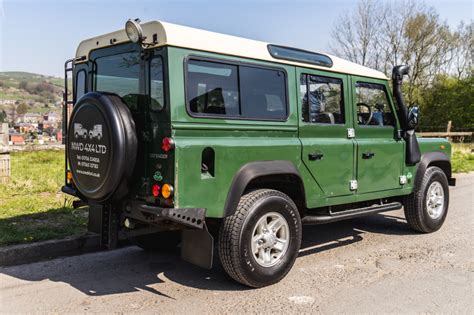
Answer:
(294, 54)
(80, 84)
(228, 90)
(119, 74)
(373, 107)
(322, 99)
(157, 93)
(213, 88)
(263, 93)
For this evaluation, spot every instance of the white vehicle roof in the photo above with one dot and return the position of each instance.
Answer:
(192, 38)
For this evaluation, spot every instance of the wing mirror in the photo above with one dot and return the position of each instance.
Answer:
(413, 116)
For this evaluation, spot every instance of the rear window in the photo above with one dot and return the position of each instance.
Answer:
(235, 91)
(119, 74)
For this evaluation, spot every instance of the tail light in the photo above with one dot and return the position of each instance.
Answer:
(155, 190)
(167, 191)
(167, 144)
(69, 177)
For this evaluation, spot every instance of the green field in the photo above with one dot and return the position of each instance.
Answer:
(32, 208)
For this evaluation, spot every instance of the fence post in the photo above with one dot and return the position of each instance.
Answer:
(5, 169)
(448, 129)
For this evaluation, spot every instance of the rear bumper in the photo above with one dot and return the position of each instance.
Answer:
(140, 211)
(189, 217)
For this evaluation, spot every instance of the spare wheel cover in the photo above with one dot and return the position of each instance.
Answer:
(98, 140)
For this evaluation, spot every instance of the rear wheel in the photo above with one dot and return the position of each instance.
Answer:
(426, 208)
(158, 242)
(259, 243)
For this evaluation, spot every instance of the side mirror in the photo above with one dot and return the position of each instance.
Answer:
(413, 116)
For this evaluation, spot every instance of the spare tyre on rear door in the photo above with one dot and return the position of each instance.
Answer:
(101, 162)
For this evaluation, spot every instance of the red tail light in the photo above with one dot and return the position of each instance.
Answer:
(155, 190)
(167, 144)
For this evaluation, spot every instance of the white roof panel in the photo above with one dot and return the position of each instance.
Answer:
(192, 38)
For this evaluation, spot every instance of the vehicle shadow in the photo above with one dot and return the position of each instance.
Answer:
(131, 269)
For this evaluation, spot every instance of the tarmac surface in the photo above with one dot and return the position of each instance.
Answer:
(374, 264)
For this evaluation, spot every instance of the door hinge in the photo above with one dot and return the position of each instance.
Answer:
(403, 179)
(351, 133)
(353, 184)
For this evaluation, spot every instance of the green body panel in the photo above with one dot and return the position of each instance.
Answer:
(236, 142)
(383, 170)
(335, 169)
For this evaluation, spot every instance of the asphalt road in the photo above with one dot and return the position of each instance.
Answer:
(374, 264)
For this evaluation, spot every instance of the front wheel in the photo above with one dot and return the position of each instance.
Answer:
(259, 243)
(426, 208)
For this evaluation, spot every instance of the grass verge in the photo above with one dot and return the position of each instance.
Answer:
(32, 208)
(462, 159)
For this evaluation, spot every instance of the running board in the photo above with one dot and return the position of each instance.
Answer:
(349, 214)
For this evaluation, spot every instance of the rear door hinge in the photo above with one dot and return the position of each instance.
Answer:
(353, 184)
(351, 133)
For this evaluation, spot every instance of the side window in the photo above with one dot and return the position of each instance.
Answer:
(236, 91)
(263, 93)
(80, 84)
(157, 98)
(322, 99)
(373, 107)
(212, 88)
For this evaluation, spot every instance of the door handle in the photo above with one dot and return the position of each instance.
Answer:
(367, 155)
(315, 156)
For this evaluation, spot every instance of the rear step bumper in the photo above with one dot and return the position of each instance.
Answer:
(190, 217)
(350, 214)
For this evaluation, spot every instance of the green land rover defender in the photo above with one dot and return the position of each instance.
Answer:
(183, 138)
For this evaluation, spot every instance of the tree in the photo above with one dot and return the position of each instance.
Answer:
(448, 99)
(22, 109)
(428, 49)
(355, 35)
(463, 46)
(3, 117)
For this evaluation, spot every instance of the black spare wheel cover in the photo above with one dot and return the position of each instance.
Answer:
(102, 146)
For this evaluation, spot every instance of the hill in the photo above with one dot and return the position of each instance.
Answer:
(39, 92)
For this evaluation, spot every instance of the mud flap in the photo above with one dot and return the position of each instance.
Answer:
(197, 247)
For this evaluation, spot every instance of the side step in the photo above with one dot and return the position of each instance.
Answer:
(350, 214)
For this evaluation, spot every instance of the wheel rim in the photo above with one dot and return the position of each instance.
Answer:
(435, 200)
(270, 239)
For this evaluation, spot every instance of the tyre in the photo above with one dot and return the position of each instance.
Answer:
(259, 243)
(426, 208)
(158, 242)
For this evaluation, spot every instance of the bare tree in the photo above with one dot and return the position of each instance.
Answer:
(355, 35)
(385, 34)
(428, 49)
(463, 42)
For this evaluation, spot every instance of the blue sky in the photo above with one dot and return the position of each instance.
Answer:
(39, 35)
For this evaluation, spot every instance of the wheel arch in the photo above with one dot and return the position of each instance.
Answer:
(438, 159)
(279, 175)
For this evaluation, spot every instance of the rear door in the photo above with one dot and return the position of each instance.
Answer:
(327, 151)
(380, 154)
